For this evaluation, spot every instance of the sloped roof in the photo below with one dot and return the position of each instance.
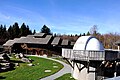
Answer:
(9, 43)
(117, 42)
(24, 40)
(30, 35)
(55, 41)
(39, 34)
(72, 43)
(41, 38)
(64, 42)
(35, 40)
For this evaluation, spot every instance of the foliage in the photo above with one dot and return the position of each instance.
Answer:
(65, 77)
(34, 31)
(94, 30)
(3, 34)
(109, 39)
(16, 31)
(88, 33)
(25, 72)
(83, 34)
(46, 30)
(13, 31)
(24, 30)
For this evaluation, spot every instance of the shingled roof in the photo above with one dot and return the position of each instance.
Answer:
(117, 42)
(35, 40)
(10, 42)
(64, 42)
(39, 34)
(56, 41)
(38, 38)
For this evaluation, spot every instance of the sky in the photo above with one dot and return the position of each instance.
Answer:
(62, 16)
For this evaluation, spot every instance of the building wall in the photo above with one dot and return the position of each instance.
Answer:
(83, 74)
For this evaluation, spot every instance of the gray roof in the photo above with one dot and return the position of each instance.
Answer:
(1, 46)
(9, 43)
(117, 42)
(72, 43)
(39, 34)
(31, 39)
(30, 35)
(35, 40)
(64, 42)
(46, 39)
(55, 41)
(24, 40)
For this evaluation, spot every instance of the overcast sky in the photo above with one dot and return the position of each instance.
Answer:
(63, 16)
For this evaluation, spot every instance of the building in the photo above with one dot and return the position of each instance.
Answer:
(1, 48)
(118, 44)
(90, 61)
(39, 43)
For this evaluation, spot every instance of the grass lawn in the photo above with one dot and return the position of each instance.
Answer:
(25, 72)
(65, 77)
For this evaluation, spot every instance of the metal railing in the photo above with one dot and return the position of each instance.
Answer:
(83, 55)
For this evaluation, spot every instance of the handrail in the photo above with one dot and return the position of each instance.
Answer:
(84, 55)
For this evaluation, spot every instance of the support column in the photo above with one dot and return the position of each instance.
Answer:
(118, 47)
(80, 72)
(26, 51)
(10, 50)
(115, 73)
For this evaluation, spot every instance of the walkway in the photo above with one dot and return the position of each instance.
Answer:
(66, 69)
(115, 78)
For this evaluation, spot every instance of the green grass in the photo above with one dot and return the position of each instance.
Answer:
(65, 77)
(25, 72)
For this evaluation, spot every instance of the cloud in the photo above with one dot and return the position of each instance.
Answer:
(59, 21)
(3, 16)
(20, 15)
(72, 24)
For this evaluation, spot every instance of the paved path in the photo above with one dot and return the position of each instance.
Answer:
(66, 69)
(115, 78)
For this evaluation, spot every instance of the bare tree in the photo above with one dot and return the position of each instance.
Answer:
(94, 30)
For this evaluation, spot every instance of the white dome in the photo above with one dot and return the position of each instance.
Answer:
(88, 43)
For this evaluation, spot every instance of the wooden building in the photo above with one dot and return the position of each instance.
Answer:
(39, 43)
(118, 44)
(1, 48)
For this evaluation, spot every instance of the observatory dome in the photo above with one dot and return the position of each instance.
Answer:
(88, 43)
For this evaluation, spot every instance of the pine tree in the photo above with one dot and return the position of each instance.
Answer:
(28, 30)
(46, 30)
(34, 31)
(23, 30)
(83, 34)
(88, 33)
(10, 31)
(1, 31)
(16, 30)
